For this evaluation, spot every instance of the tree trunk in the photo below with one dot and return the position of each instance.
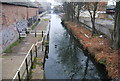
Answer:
(116, 34)
(94, 31)
(78, 14)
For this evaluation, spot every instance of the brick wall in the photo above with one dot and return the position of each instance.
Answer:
(32, 12)
(13, 13)
(102, 6)
(13, 18)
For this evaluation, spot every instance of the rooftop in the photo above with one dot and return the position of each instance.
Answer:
(26, 3)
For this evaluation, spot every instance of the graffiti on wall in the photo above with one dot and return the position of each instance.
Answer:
(34, 19)
(9, 35)
(21, 25)
(31, 21)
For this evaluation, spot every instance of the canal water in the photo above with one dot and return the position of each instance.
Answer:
(65, 59)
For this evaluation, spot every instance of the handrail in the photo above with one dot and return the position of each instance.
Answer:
(27, 56)
(34, 45)
(42, 13)
(22, 63)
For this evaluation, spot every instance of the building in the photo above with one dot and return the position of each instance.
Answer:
(43, 6)
(40, 8)
(15, 17)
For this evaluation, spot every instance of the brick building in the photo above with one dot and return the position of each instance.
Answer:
(15, 17)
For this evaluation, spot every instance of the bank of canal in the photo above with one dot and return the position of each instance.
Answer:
(66, 60)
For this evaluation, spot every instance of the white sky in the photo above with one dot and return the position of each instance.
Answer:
(110, 2)
(52, 1)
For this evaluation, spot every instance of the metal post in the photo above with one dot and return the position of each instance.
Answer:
(49, 24)
(31, 59)
(19, 76)
(36, 50)
(35, 33)
(26, 66)
(48, 36)
(27, 69)
(45, 51)
(44, 63)
(42, 33)
(42, 46)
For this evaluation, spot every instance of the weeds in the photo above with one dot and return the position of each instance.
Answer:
(9, 49)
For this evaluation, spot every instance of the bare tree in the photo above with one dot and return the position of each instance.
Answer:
(79, 8)
(116, 33)
(92, 9)
(72, 10)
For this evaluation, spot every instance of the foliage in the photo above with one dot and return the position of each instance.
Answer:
(103, 61)
(46, 19)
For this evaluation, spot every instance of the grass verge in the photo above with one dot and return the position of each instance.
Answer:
(46, 19)
(36, 23)
(9, 49)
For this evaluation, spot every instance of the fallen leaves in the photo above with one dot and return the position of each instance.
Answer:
(100, 46)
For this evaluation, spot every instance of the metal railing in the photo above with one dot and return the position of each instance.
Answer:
(42, 14)
(27, 63)
(37, 32)
(24, 69)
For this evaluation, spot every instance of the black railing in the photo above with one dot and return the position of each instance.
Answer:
(27, 64)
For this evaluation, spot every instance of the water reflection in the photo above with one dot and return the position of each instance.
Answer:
(66, 60)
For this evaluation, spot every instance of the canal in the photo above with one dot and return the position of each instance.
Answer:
(65, 59)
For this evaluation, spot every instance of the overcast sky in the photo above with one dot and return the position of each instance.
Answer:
(45, 0)
(110, 2)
